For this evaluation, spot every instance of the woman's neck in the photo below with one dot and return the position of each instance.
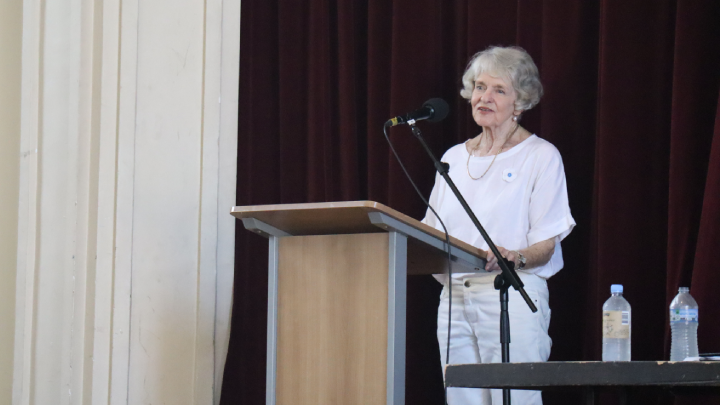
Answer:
(501, 134)
(494, 140)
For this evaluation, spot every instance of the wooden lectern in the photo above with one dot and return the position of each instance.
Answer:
(336, 297)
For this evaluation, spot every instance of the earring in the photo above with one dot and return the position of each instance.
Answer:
(515, 118)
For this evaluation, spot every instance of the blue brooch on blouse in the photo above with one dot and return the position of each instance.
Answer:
(509, 175)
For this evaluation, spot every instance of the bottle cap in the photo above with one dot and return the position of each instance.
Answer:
(684, 289)
(616, 288)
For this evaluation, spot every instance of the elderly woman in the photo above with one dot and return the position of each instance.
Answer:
(515, 183)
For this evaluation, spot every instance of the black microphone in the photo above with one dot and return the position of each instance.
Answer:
(434, 110)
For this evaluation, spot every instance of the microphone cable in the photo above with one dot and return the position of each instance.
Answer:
(447, 243)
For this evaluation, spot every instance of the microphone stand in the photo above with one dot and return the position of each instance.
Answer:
(503, 281)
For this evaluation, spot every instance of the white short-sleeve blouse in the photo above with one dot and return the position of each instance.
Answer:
(521, 200)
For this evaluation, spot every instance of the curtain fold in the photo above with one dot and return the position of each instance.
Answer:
(695, 90)
(631, 168)
(631, 101)
(705, 278)
(694, 200)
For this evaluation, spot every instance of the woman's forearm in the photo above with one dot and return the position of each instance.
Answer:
(537, 255)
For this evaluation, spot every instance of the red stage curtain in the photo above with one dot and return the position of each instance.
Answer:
(631, 102)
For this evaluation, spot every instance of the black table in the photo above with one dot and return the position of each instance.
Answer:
(680, 378)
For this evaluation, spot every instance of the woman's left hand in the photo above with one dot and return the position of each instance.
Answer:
(492, 261)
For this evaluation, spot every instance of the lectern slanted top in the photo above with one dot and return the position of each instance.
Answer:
(336, 297)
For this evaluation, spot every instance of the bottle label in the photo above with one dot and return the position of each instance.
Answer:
(616, 324)
(683, 315)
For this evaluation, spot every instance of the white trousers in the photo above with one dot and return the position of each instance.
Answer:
(475, 333)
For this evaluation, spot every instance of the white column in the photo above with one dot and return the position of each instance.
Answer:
(125, 253)
(10, 46)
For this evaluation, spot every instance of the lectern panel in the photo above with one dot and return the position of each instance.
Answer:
(332, 323)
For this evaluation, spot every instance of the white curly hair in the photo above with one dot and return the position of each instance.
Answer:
(512, 63)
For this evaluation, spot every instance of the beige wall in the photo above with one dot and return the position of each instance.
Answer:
(10, 47)
(128, 139)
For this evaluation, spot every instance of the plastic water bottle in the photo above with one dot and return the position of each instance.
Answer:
(684, 324)
(616, 326)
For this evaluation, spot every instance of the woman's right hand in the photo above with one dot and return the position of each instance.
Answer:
(492, 261)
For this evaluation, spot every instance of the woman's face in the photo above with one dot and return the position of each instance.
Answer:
(493, 101)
